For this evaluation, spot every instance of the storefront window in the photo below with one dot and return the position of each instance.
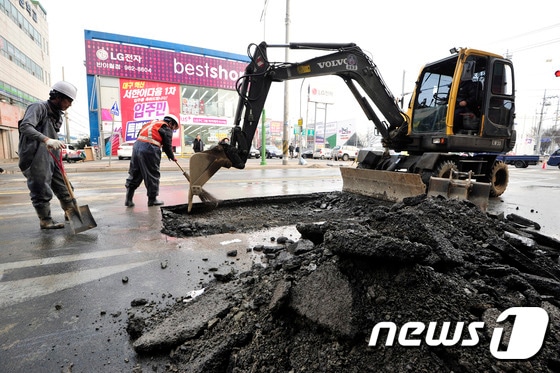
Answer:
(208, 101)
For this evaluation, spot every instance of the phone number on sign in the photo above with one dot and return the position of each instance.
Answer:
(140, 69)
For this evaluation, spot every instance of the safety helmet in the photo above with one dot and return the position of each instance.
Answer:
(66, 89)
(172, 117)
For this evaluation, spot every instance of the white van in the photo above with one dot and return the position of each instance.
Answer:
(345, 152)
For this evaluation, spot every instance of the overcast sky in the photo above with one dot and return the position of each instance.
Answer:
(400, 36)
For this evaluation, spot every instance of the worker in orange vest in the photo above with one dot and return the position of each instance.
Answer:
(146, 158)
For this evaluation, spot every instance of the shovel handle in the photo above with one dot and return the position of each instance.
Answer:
(178, 165)
(184, 172)
(60, 166)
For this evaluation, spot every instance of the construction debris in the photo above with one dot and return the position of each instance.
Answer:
(314, 303)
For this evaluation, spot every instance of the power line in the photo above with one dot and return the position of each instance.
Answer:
(528, 33)
(536, 45)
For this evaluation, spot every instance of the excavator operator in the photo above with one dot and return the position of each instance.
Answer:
(469, 98)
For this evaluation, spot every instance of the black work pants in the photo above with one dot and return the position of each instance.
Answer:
(144, 166)
(44, 178)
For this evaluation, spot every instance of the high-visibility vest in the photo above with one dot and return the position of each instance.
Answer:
(150, 132)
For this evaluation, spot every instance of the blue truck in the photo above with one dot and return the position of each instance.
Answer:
(519, 161)
(554, 159)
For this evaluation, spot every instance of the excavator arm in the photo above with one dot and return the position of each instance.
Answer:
(347, 61)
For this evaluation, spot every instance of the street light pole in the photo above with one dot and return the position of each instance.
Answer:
(301, 161)
(286, 134)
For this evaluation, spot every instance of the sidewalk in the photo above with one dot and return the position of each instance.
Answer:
(114, 164)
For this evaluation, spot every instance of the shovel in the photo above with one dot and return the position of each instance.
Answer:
(204, 195)
(79, 217)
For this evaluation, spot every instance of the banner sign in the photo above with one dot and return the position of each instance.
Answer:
(129, 61)
(144, 101)
(322, 94)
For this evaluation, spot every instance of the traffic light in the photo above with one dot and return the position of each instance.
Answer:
(557, 73)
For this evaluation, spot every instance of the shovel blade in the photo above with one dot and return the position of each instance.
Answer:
(80, 220)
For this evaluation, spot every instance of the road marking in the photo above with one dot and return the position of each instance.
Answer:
(13, 292)
(64, 259)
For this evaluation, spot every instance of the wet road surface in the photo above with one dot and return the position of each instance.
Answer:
(63, 298)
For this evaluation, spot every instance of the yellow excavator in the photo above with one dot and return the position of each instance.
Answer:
(460, 117)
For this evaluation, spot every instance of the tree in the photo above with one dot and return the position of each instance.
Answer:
(83, 142)
(550, 139)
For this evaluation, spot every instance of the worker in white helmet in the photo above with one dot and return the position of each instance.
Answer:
(146, 158)
(38, 134)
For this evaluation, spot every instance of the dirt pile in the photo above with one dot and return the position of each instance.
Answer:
(314, 304)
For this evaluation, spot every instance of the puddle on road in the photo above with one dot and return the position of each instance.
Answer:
(243, 243)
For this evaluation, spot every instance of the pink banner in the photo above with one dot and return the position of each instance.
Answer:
(144, 101)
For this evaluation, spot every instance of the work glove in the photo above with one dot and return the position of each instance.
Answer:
(55, 144)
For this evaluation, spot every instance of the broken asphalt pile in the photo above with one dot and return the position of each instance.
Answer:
(313, 304)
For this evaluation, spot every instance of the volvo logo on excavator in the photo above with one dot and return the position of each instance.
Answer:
(350, 62)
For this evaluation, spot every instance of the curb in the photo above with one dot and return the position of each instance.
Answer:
(11, 167)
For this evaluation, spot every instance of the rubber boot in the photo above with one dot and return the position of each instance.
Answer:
(46, 222)
(129, 195)
(69, 208)
(153, 201)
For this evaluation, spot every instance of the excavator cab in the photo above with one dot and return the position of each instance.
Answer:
(467, 98)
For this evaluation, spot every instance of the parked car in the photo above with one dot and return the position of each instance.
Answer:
(554, 159)
(72, 154)
(124, 151)
(307, 153)
(254, 153)
(322, 153)
(272, 151)
(345, 152)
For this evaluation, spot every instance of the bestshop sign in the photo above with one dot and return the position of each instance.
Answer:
(129, 61)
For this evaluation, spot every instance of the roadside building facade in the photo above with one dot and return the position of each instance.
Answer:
(132, 81)
(24, 66)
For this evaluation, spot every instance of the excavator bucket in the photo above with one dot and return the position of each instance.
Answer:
(384, 185)
(476, 192)
(202, 167)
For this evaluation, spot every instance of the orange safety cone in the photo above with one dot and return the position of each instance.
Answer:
(544, 165)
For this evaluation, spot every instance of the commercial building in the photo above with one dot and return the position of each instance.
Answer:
(132, 81)
(24, 66)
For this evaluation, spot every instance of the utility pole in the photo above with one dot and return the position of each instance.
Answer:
(538, 149)
(66, 120)
(539, 127)
(286, 134)
(263, 115)
(301, 161)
